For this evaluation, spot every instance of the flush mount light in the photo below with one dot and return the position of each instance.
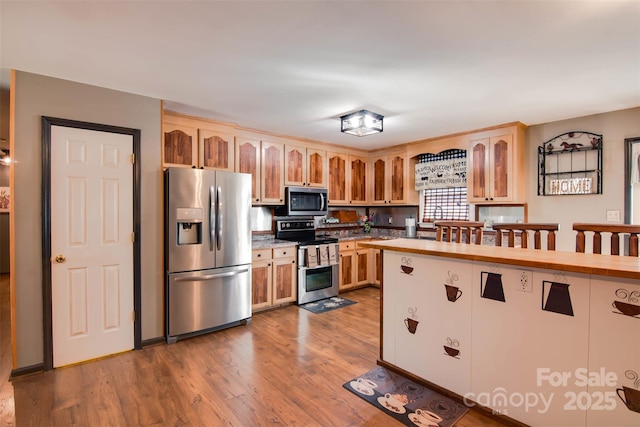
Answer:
(361, 123)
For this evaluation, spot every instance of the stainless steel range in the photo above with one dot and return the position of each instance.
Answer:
(318, 259)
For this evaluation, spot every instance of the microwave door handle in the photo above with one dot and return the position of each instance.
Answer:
(218, 221)
(321, 201)
(212, 217)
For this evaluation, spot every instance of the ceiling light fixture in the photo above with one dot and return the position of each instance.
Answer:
(361, 123)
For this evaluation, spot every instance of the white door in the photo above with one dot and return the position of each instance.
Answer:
(91, 244)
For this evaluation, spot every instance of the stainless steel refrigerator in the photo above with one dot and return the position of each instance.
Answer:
(207, 251)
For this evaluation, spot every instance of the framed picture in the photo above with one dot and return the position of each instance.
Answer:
(5, 199)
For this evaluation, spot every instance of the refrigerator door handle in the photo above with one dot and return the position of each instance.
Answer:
(212, 213)
(211, 276)
(218, 221)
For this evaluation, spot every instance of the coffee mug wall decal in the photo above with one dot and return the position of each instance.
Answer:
(491, 286)
(453, 292)
(556, 298)
(630, 306)
(411, 322)
(405, 266)
(630, 396)
(451, 349)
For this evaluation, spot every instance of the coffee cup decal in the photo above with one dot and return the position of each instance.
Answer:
(405, 265)
(630, 396)
(630, 306)
(453, 292)
(451, 349)
(411, 322)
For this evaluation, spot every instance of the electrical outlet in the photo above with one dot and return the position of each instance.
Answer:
(390, 220)
(613, 216)
(526, 281)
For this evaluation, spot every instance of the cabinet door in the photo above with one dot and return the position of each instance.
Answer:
(295, 165)
(478, 176)
(248, 161)
(379, 179)
(501, 167)
(317, 168)
(338, 177)
(347, 270)
(397, 192)
(261, 284)
(358, 180)
(272, 173)
(216, 150)
(284, 280)
(179, 146)
(376, 259)
(363, 265)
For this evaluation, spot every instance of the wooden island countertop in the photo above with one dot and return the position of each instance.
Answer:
(595, 264)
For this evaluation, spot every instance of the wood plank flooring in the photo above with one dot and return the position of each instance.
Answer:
(285, 368)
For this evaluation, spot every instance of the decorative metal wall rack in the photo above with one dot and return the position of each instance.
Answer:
(570, 163)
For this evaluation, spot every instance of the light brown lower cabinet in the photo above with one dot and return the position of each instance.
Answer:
(355, 265)
(273, 277)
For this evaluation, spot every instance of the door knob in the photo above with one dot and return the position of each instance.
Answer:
(60, 259)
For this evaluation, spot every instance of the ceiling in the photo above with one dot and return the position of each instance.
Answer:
(293, 67)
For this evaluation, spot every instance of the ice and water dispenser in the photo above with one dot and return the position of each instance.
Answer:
(189, 225)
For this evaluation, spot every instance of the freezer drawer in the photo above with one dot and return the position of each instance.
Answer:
(202, 300)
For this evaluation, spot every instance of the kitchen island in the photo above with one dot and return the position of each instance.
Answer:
(543, 337)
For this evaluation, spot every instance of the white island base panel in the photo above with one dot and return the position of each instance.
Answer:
(559, 354)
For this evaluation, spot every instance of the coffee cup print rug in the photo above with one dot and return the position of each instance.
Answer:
(406, 401)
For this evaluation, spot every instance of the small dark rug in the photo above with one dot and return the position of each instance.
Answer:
(327, 304)
(408, 402)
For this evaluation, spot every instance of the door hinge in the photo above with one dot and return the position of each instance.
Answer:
(133, 158)
(133, 316)
(133, 237)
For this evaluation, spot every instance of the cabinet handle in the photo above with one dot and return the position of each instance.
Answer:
(269, 265)
(293, 262)
(284, 252)
(257, 200)
(259, 255)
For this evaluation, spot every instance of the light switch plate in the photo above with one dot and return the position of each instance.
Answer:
(613, 216)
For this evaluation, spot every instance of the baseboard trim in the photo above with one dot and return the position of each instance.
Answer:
(153, 341)
(27, 370)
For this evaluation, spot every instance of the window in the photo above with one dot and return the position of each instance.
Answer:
(448, 203)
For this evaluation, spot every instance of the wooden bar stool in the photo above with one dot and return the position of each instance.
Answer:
(445, 231)
(615, 230)
(524, 228)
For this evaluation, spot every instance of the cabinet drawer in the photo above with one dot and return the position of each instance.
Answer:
(260, 254)
(284, 252)
(347, 246)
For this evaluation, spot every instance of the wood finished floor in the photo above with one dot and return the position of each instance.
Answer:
(286, 368)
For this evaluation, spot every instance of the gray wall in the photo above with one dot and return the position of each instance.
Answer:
(565, 210)
(38, 96)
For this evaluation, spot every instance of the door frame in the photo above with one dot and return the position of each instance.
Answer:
(628, 167)
(47, 308)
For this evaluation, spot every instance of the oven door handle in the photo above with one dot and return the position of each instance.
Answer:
(317, 267)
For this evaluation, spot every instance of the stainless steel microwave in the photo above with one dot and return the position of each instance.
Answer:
(303, 201)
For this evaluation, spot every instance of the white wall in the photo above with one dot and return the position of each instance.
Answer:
(38, 96)
(565, 210)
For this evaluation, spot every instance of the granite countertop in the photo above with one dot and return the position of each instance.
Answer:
(269, 242)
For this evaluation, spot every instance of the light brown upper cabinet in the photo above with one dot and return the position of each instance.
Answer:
(493, 172)
(390, 179)
(338, 178)
(179, 145)
(272, 173)
(248, 155)
(216, 150)
(357, 180)
(305, 167)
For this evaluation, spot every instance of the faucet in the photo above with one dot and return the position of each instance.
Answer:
(436, 210)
